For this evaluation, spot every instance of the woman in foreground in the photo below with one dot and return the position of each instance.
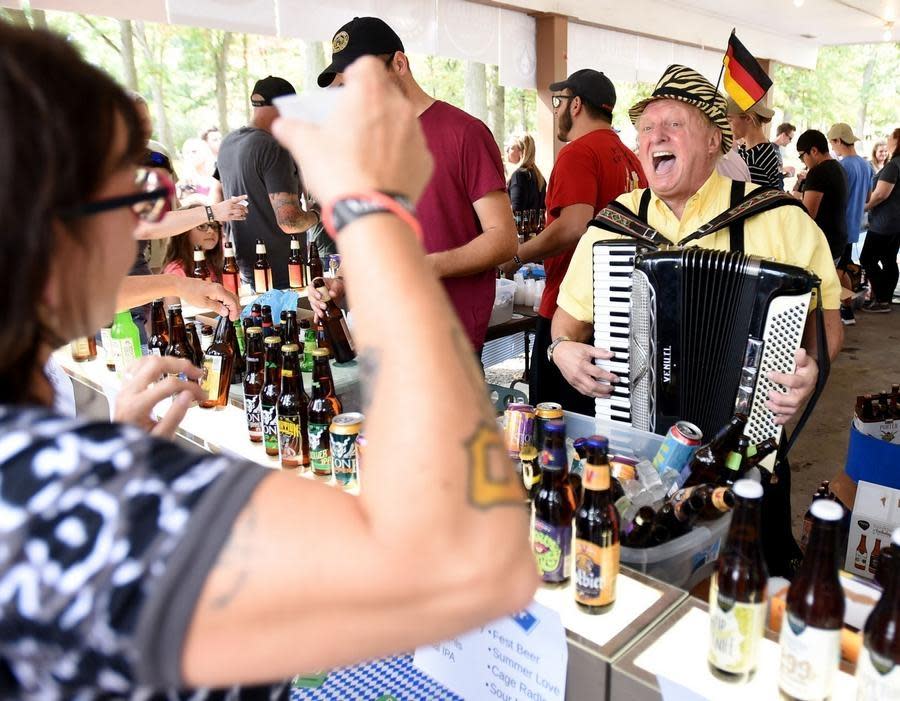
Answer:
(130, 564)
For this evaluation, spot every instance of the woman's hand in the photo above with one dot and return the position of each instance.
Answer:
(208, 295)
(143, 389)
(231, 209)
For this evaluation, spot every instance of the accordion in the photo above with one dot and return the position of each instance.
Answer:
(695, 332)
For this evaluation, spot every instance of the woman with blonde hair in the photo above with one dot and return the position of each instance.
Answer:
(526, 187)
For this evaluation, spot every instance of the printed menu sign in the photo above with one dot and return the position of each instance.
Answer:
(517, 658)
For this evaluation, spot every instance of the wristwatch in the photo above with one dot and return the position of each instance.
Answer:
(552, 347)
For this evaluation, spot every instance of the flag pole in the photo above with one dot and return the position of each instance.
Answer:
(722, 68)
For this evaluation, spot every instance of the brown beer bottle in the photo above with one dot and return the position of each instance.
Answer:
(735, 463)
(878, 667)
(238, 367)
(323, 407)
(322, 340)
(231, 276)
(159, 339)
(315, 262)
(217, 366)
(820, 493)
(293, 416)
(84, 349)
(268, 326)
(811, 627)
(553, 508)
(596, 533)
(737, 594)
(270, 391)
(676, 517)
(289, 330)
(875, 557)
(194, 342)
(861, 557)
(708, 462)
(296, 269)
(640, 529)
(335, 326)
(262, 273)
(717, 501)
(178, 340)
(201, 269)
(253, 383)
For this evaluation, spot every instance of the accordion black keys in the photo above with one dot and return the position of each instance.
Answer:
(695, 332)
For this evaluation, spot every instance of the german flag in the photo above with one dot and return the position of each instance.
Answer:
(745, 80)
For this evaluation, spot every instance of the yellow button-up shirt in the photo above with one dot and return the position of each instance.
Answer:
(787, 235)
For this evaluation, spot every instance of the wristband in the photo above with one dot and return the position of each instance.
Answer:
(209, 214)
(517, 260)
(339, 213)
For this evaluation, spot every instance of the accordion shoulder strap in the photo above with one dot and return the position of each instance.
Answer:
(756, 202)
(736, 228)
(618, 219)
(644, 208)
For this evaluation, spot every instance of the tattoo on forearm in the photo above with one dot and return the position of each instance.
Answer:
(369, 365)
(288, 212)
(491, 482)
(235, 560)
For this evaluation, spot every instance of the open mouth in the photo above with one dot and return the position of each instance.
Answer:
(663, 162)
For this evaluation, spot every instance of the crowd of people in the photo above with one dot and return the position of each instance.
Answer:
(134, 566)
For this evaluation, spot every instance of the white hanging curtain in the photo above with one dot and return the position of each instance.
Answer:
(147, 10)
(518, 56)
(468, 31)
(313, 20)
(612, 53)
(251, 16)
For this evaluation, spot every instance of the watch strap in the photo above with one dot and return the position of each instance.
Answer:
(553, 344)
(349, 208)
(210, 215)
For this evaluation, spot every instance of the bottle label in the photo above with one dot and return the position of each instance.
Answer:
(596, 570)
(718, 499)
(260, 280)
(156, 351)
(106, 341)
(679, 499)
(860, 559)
(735, 631)
(343, 456)
(295, 276)
(230, 282)
(252, 405)
(320, 449)
(81, 347)
(809, 659)
(595, 477)
(289, 437)
(552, 547)
(123, 354)
(270, 427)
(877, 677)
(212, 376)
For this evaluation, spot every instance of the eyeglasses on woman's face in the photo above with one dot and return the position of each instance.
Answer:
(150, 203)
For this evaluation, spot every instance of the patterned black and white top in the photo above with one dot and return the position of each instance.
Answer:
(106, 538)
(764, 164)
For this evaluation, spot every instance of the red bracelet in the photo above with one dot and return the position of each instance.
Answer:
(340, 212)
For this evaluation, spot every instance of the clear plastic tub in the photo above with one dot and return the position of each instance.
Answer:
(682, 562)
(503, 302)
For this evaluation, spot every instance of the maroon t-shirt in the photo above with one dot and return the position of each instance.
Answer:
(467, 166)
(594, 169)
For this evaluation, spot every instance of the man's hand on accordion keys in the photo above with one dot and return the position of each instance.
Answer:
(576, 363)
(799, 386)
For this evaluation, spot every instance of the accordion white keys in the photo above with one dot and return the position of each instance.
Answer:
(695, 332)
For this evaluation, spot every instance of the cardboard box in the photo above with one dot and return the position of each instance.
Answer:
(876, 512)
(888, 431)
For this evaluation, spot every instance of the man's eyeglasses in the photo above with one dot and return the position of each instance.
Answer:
(207, 225)
(556, 100)
(802, 154)
(150, 203)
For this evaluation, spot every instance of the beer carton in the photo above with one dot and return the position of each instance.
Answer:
(876, 512)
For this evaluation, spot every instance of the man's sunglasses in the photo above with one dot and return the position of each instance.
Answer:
(556, 100)
(150, 203)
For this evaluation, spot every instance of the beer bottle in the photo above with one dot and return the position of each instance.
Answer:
(322, 340)
(323, 407)
(717, 501)
(878, 667)
(640, 529)
(861, 557)
(759, 452)
(553, 508)
(576, 467)
(315, 262)
(239, 335)
(735, 462)
(178, 340)
(108, 350)
(253, 383)
(201, 269)
(238, 367)
(737, 594)
(268, 326)
(217, 366)
(308, 339)
(194, 342)
(296, 270)
(293, 416)
(256, 314)
(159, 340)
(126, 342)
(231, 276)
(270, 392)
(820, 493)
(876, 556)
(709, 461)
(811, 628)
(676, 517)
(530, 467)
(83, 349)
(262, 273)
(289, 328)
(335, 326)
(596, 533)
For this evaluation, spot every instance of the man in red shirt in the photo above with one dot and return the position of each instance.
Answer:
(592, 169)
(465, 212)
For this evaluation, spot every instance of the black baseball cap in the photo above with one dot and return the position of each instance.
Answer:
(269, 88)
(591, 86)
(361, 36)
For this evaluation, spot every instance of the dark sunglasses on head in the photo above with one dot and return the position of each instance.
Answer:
(150, 203)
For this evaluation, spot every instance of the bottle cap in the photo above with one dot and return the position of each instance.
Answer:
(272, 340)
(319, 353)
(295, 244)
(748, 489)
(895, 537)
(827, 510)
(290, 348)
(598, 443)
(254, 331)
(555, 427)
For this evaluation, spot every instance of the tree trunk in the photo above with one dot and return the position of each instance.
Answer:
(221, 62)
(864, 92)
(39, 19)
(523, 112)
(497, 107)
(476, 90)
(162, 127)
(127, 52)
(246, 72)
(314, 63)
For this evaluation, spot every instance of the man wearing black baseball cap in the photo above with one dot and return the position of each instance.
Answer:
(252, 162)
(465, 212)
(593, 169)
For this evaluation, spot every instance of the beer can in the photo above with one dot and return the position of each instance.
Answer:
(361, 444)
(623, 468)
(678, 447)
(518, 428)
(544, 412)
(343, 432)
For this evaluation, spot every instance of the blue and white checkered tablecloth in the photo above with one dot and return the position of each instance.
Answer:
(395, 677)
